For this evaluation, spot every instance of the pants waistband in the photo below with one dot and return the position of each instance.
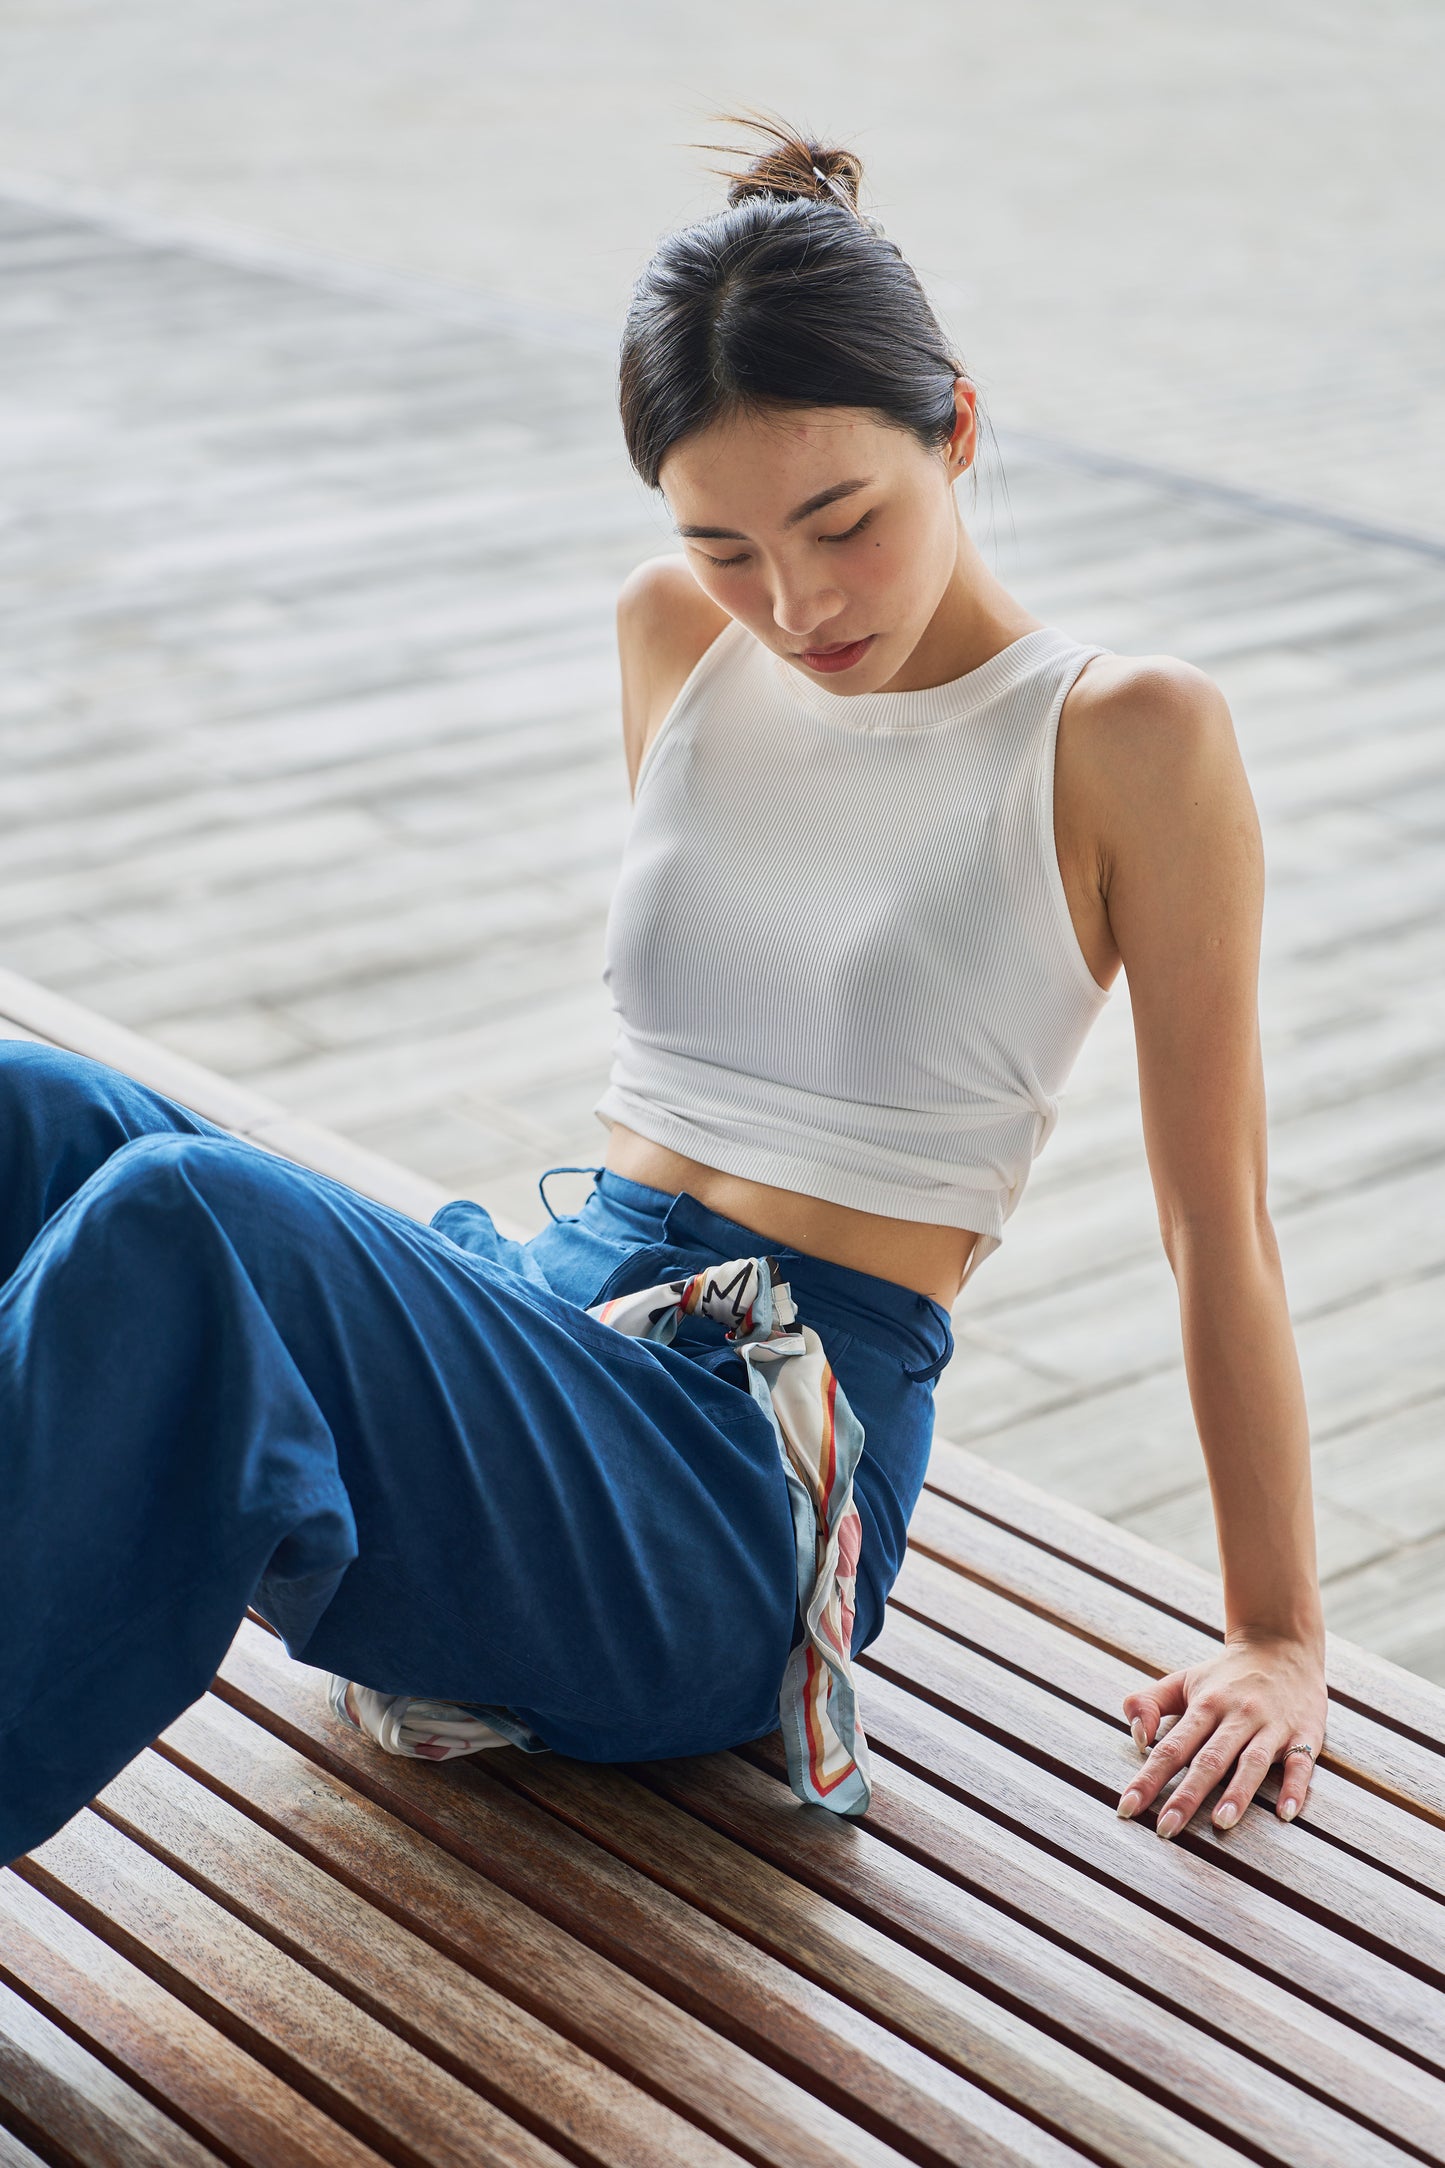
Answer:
(679, 1219)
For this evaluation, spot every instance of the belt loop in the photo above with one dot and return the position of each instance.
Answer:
(547, 1172)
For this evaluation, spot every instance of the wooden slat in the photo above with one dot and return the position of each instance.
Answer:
(636, 2031)
(1415, 1706)
(995, 2040)
(50, 1016)
(1291, 1859)
(783, 2017)
(159, 2044)
(354, 2067)
(55, 2090)
(1095, 2011)
(1176, 1883)
(14, 2153)
(1342, 1799)
(463, 2022)
(34, 1012)
(1020, 1872)
(1096, 1609)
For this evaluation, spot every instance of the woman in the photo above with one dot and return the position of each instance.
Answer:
(892, 839)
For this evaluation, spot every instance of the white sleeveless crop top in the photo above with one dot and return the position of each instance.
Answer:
(839, 950)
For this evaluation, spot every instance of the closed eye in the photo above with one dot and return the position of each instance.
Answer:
(863, 522)
(845, 537)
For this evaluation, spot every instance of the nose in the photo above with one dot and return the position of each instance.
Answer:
(803, 617)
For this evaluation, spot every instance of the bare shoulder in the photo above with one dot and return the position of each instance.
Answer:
(1149, 790)
(665, 623)
(1153, 706)
(1146, 738)
(1145, 717)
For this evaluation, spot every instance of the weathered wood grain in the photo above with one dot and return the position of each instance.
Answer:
(1008, 2042)
(458, 2015)
(354, 2066)
(14, 2153)
(1388, 1912)
(159, 2044)
(1371, 1683)
(632, 2028)
(822, 2041)
(1024, 1955)
(65, 2097)
(1182, 1891)
(970, 1577)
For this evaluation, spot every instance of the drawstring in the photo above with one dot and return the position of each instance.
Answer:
(549, 1172)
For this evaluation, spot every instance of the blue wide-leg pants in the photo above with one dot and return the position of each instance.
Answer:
(226, 1380)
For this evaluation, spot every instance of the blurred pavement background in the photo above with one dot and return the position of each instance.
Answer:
(1208, 238)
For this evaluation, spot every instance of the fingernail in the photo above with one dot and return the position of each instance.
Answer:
(1227, 1816)
(1289, 1810)
(1128, 1805)
(1140, 1739)
(1168, 1823)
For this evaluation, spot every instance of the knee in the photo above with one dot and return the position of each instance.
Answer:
(175, 1174)
(170, 1159)
(180, 1218)
(35, 1074)
(71, 1106)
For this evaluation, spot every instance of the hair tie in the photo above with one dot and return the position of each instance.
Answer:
(871, 223)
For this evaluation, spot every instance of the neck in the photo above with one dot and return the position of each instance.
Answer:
(975, 617)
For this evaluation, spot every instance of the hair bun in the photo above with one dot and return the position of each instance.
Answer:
(792, 167)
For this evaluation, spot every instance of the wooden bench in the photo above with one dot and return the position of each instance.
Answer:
(267, 1942)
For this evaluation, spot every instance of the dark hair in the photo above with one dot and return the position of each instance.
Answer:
(789, 297)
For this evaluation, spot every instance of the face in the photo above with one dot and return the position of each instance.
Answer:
(822, 527)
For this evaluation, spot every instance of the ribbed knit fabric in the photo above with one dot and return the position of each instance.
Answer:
(839, 949)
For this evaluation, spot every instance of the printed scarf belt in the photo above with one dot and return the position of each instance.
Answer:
(819, 1439)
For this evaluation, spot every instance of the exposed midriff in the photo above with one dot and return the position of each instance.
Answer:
(929, 1260)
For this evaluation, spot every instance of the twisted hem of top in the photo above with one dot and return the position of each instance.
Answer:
(972, 1211)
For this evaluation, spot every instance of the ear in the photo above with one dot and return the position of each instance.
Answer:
(963, 444)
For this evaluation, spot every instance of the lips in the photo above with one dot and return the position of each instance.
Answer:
(841, 655)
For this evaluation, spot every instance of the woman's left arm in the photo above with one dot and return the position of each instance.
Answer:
(1182, 877)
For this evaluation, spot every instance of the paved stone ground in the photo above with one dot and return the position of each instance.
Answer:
(1207, 237)
(312, 770)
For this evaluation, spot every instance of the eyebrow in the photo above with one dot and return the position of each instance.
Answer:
(814, 504)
